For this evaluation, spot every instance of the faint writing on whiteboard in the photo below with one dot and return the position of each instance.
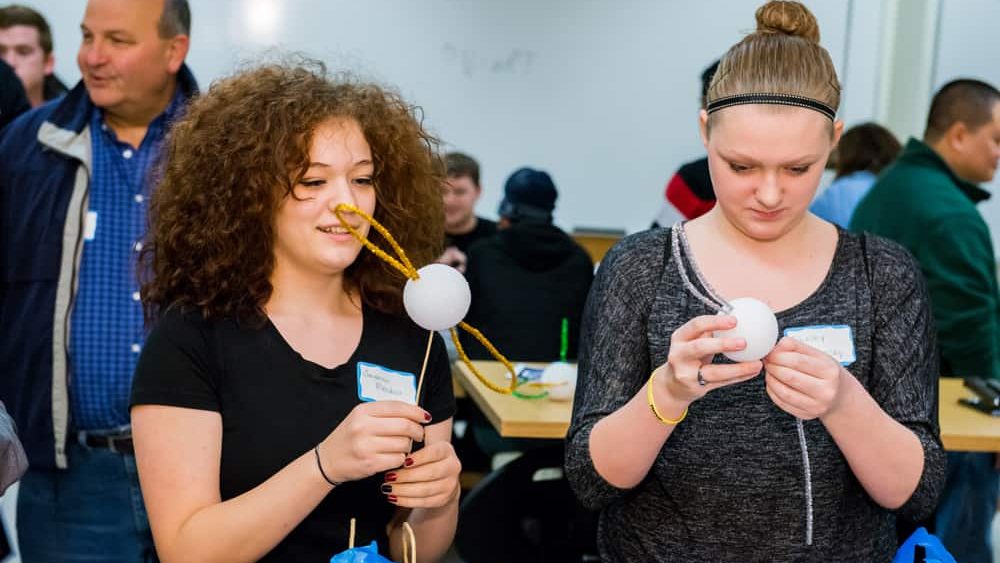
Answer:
(517, 61)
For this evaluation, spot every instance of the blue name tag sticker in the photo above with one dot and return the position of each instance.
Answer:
(835, 340)
(378, 383)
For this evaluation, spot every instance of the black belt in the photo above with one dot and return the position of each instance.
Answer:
(120, 444)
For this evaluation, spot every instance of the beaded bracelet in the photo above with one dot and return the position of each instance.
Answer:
(652, 405)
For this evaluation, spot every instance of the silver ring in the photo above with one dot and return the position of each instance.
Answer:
(701, 378)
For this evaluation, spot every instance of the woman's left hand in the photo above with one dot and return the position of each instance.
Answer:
(801, 380)
(430, 479)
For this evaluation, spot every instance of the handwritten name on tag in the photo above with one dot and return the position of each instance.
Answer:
(377, 383)
(835, 340)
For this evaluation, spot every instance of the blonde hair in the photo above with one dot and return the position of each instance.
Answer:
(783, 56)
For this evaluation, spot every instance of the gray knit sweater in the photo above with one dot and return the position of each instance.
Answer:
(728, 484)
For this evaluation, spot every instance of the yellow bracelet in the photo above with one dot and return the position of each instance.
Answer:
(652, 405)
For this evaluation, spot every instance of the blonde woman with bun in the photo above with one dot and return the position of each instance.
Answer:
(810, 453)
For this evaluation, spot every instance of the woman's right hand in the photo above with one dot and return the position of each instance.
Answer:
(692, 347)
(375, 437)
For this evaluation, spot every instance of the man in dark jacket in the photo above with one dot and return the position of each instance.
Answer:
(927, 201)
(74, 186)
(528, 277)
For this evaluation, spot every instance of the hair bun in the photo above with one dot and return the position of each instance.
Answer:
(787, 18)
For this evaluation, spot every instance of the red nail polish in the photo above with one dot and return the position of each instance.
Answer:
(408, 462)
(392, 498)
(390, 477)
(427, 416)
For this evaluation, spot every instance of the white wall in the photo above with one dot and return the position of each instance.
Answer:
(601, 93)
(909, 44)
(858, 66)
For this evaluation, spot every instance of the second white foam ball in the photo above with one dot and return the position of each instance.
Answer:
(756, 324)
(438, 300)
(561, 377)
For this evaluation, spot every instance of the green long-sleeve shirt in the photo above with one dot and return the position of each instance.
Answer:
(920, 203)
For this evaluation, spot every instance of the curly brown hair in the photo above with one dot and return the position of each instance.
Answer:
(238, 152)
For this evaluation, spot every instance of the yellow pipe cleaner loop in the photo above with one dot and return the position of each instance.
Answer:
(514, 385)
(406, 268)
(493, 351)
(404, 265)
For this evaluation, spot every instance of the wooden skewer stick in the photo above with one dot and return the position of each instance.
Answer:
(423, 369)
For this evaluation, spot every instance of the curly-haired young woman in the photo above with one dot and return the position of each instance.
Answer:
(255, 437)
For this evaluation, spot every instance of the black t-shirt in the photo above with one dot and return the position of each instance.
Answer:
(484, 228)
(276, 405)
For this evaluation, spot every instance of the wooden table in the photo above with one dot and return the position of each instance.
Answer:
(456, 387)
(597, 242)
(513, 417)
(962, 428)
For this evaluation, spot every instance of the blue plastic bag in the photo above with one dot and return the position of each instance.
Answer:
(365, 554)
(934, 549)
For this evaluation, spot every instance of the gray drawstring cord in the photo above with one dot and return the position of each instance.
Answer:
(716, 303)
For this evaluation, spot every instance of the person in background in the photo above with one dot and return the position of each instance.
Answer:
(13, 101)
(461, 190)
(811, 452)
(926, 201)
(528, 278)
(74, 183)
(26, 45)
(524, 282)
(690, 188)
(862, 153)
(275, 399)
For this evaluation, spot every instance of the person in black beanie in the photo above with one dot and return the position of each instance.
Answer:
(528, 277)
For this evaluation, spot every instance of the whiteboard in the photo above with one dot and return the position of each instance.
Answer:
(602, 94)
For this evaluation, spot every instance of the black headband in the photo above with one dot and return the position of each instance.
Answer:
(778, 99)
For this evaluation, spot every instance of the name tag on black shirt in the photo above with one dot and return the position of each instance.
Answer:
(378, 383)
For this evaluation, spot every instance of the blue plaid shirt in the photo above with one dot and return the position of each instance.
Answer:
(107, 323)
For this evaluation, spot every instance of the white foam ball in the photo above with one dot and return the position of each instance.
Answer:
(756, 324)
(438, 300)
(562, 378)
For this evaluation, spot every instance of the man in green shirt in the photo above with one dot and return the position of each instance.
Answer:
(926, 201)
